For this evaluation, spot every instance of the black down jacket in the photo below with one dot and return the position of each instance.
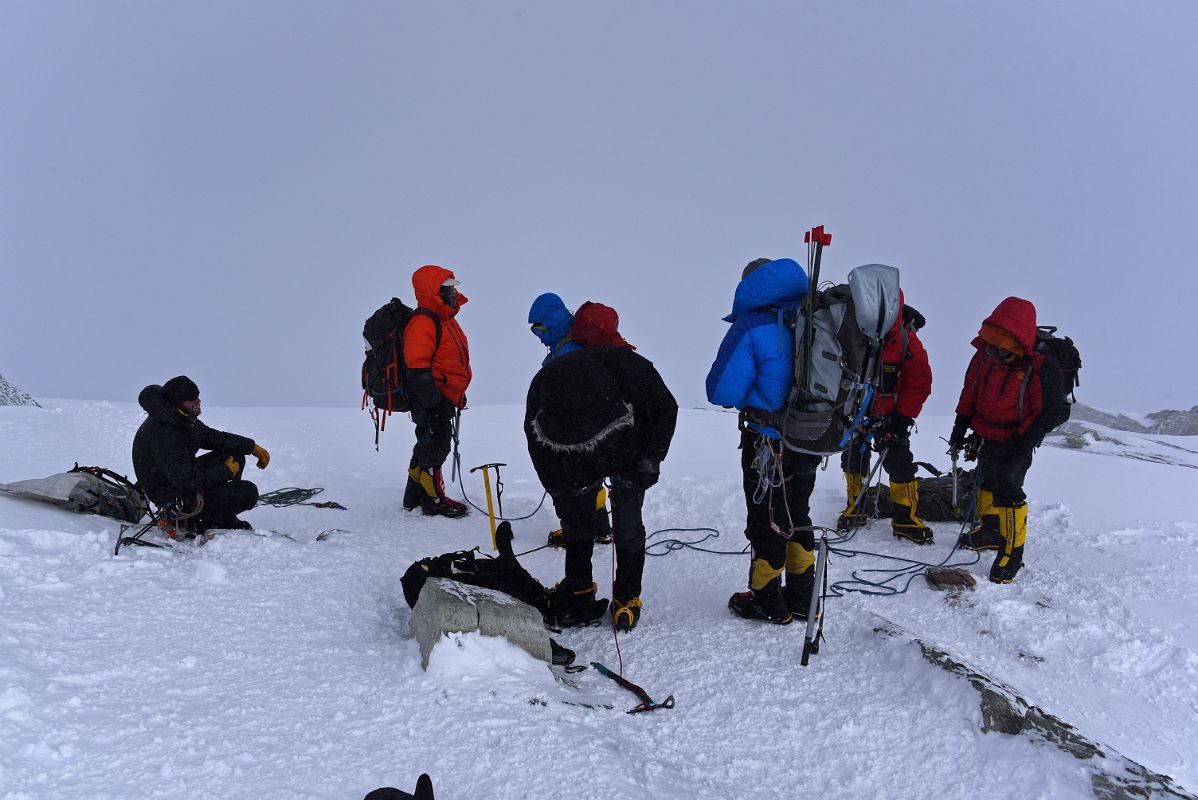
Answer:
(595, 413)
(165, 447)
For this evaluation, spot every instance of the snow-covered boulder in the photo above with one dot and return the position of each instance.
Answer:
(12, 396)
(446, 606)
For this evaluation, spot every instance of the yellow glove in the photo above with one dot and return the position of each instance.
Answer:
(263, 456)
(233, 466)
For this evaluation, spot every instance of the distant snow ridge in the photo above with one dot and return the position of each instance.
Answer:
(1168, 422)
(12, 396)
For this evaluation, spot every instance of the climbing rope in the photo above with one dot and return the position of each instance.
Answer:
(295, 496)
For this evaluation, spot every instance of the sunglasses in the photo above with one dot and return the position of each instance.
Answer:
(540, 327)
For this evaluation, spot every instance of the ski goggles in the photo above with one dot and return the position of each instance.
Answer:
(539, 327)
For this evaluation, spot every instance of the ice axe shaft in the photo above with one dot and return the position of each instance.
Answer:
(815, 611)
(486, 468)
(953, 454)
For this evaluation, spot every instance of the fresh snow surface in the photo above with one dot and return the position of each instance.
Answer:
(262, 666)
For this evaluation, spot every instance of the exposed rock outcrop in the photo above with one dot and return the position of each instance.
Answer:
(12, 396)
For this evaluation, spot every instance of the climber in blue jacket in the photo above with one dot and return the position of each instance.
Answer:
(754, 372)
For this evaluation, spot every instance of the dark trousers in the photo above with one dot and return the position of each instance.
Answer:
(1003, 468)
(576, 510)
(224, 500)
(776, 511)
(434, 434)
(898, 463)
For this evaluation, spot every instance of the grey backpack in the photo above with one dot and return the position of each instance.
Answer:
(89, 490)
(838, 358)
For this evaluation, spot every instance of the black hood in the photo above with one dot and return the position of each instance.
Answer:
(153, 401)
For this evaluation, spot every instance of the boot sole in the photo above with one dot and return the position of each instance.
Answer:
(758, 617)
(905, 537)
(963, 546)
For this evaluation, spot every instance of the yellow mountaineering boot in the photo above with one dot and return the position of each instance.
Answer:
(906, 524)
(1012, 523)
(800, 579)
(985, 535)
(430, 486)
(854, 514)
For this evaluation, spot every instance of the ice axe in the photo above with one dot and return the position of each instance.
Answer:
(953, 454)
(486, 468)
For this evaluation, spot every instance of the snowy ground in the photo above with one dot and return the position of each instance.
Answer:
(264, 667)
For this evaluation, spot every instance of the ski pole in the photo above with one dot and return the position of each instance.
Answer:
(486, 468)
(816, 241)
(815, 611)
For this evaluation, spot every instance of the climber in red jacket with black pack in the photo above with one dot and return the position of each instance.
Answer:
(1013, 396)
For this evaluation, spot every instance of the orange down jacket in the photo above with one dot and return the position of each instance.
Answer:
(450, 360)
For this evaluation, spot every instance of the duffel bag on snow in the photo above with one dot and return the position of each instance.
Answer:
(935, 498)
(89, 490)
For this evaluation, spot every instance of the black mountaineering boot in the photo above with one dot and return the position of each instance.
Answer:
(625, 616)
(765, 603)
(571, 607)
(986, 536)
(433, 502)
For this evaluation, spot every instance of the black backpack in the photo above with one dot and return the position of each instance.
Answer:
(1061, 350)
(1064, 351)
(384, 374)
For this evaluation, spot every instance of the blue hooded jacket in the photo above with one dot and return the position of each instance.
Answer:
(755, 364)
(549, 310)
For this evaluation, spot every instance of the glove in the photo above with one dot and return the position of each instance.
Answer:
(263, 456)
(233, 466)
(899, 426)
(645, 475)
(956, 441)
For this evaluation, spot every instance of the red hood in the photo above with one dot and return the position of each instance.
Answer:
(595, 325)
(426, 282)
(1018, 317)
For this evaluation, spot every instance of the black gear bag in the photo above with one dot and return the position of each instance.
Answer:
(504, 574)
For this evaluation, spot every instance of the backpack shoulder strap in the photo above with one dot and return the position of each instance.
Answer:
(436, 324)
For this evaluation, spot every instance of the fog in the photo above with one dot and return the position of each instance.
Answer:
(228, 189)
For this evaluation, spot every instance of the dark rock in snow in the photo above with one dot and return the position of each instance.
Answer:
(1112, 775)
(12, 396)
(1167, 422)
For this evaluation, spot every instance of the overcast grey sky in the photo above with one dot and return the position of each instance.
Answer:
(227, 189)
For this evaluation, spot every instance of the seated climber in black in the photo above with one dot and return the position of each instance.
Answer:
(164, 457)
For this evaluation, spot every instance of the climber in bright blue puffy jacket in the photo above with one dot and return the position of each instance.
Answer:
(754, 369)
(755, 364)
(551, 322)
